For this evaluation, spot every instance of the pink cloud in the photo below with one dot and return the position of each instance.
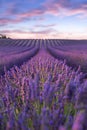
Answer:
(35, 12)
(64, 8)
(5, 21)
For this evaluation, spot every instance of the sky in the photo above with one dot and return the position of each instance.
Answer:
(58, 19)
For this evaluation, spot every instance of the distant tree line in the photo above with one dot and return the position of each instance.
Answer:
(3, 36)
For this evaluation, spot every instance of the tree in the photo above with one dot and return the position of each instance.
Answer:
(3, 36)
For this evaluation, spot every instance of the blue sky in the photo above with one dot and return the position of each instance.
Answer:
(44, 18)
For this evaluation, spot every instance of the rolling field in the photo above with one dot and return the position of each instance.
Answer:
(43, 84)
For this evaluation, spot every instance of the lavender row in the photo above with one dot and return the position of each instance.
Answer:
(74, 51)
(10, 55)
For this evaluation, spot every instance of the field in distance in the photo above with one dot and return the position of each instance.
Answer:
(15, 51)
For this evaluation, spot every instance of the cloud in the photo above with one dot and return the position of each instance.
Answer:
(5, 21)
(45, 26)
(45, 31)
(32, 13)
(65, 8)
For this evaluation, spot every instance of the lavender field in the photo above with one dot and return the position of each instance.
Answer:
(43, 84)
